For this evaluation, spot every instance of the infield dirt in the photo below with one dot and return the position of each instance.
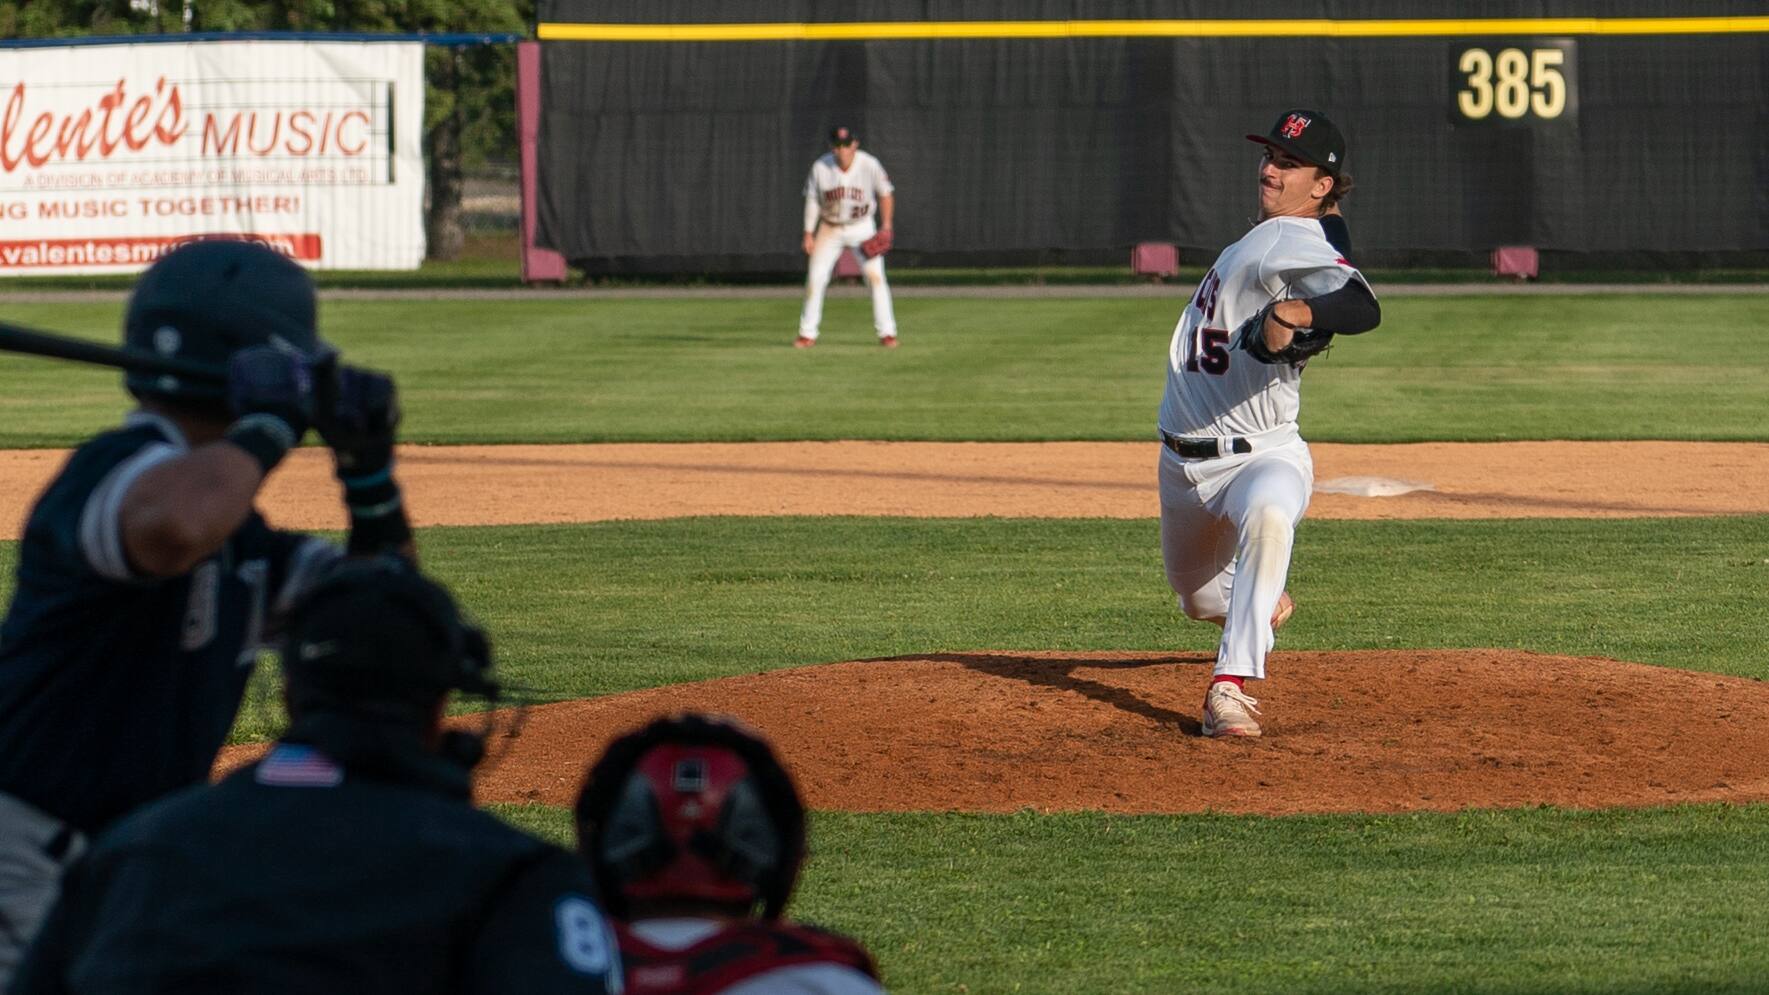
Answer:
(1366, 731)
(528, 485)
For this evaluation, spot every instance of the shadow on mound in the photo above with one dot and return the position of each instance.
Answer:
(998, 731)
(1071, 674)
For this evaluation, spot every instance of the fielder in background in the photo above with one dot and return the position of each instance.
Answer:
(146, 578)
(695, 834)
(1235, 475)
(349, 859)
(850, 206)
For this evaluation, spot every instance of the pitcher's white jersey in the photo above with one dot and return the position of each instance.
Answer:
(842, 197)
(1215, 390)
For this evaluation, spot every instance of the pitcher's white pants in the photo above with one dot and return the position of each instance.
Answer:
(1227, 527)
(831, 242)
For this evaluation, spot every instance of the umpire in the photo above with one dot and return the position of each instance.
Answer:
(146, 578)
(350, 859)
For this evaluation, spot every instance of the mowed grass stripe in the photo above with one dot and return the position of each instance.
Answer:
(1542, 900)
(593, 609)
(577, 611)
(574, 370)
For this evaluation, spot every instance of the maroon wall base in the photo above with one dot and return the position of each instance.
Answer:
(538, 264)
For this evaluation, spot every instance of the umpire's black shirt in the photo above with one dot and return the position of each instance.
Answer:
(338, 863)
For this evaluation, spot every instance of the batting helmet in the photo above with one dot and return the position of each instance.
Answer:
(692, 809)
(375, 637)
(206, 299)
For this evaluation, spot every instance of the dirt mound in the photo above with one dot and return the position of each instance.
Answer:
(997, 731)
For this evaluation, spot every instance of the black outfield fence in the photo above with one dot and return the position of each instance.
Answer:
(676, 134)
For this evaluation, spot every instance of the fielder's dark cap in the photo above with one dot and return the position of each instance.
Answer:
(1308, 136)
(842, 135)
(376, 631)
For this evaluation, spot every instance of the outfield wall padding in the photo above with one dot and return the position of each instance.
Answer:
(691, 156)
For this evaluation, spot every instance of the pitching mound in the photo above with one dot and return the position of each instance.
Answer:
(998, 731)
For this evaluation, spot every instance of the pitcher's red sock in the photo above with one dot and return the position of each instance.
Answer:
(1230, 679)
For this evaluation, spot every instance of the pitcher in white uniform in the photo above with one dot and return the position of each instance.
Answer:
(1235, 475)
(848, 199)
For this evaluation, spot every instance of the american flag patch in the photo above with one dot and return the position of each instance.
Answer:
(292, 766)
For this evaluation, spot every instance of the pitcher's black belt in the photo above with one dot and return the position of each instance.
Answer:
(1204, 448)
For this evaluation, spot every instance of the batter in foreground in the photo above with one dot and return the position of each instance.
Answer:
(1235, 474)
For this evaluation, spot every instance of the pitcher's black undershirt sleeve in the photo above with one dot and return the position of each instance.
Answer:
(1347, 311)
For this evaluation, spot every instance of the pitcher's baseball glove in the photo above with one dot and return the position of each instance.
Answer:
(1306, 343)
(877, 245)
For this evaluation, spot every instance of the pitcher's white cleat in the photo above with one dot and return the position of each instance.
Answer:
(1228, 711)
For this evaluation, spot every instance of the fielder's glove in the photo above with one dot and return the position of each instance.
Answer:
(1305, 343)
(877, 245)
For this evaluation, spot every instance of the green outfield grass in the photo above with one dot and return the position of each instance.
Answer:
(1655, 901)
(1452, 368)
(591, 609)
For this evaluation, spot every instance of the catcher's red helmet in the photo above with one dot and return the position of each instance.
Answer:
(692, 809)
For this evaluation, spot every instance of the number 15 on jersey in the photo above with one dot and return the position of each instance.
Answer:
(1206, 349)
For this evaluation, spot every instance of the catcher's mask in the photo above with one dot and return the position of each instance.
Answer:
(691, 810)
(377, 639)
(209, 298)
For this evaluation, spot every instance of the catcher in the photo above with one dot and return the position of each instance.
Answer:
(695, 834)
(1235, 475)
(849, 204)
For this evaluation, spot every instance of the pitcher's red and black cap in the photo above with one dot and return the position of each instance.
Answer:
(1308, 136)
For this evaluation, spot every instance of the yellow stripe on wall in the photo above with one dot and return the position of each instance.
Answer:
(895, 30)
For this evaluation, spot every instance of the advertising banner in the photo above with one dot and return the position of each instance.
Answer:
(109, 154)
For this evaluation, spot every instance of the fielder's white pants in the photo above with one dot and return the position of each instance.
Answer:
(831, 242)
(1227, 528)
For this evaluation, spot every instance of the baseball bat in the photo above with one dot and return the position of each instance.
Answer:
(31, 342)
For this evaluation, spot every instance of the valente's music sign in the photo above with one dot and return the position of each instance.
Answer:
(109, 154)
